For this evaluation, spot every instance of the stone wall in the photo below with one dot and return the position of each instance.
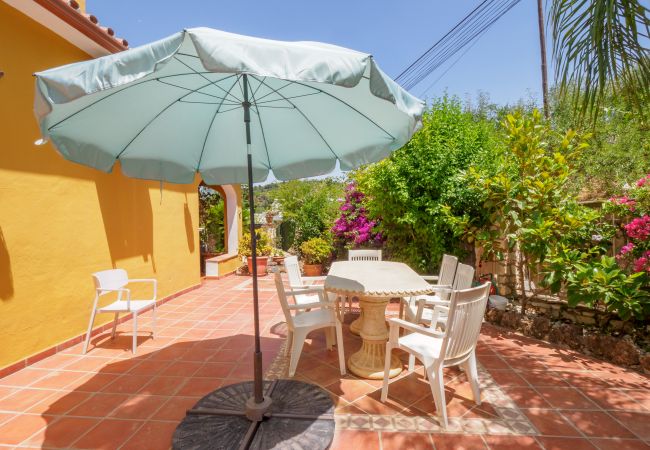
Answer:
(590, 331)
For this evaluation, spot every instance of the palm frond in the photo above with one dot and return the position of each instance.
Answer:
(599, 44)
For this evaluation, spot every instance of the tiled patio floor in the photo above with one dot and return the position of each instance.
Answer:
(534, 395)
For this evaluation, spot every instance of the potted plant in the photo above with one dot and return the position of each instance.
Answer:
(264, 250)
(278, 255)
(314, 253)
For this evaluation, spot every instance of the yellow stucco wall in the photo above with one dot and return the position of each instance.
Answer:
(59, 221)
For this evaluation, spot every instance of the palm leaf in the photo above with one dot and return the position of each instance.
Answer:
(598, 44)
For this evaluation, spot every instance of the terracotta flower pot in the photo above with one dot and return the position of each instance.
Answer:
(278, 259)
(312, 270)
(262, 262)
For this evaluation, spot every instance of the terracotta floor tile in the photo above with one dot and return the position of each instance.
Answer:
(198, 387)
(62, 432)
(139, 406)
(543, 378)
(355, 440)
(99, 405)
(637, 422)
(93, 382)
(215, 370)
(163, 385)
(551, 423)
(566, 398)
(507, 377)
(350, 389)
(60, 403)
(458, 442)
(526, 397)
(152, 435)
(323, 374)
(108, 434)
(511, 442)
(411, 441)
(22, 400)
(597, 424)
(493, 362)
(175, 408)
(371, 403)
(619, 444)
(409, 389)
(23, 377)
(642, 396)
(564, 443)
(613, 398)
(127, 384)
(21, 427)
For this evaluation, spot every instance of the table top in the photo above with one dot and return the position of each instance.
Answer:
(375, 279)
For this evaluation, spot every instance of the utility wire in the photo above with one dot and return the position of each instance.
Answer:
(470, 28)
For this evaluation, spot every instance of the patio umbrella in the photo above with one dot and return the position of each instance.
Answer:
(232, 108)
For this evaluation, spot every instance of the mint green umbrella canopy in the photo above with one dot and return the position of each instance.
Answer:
(172, 108)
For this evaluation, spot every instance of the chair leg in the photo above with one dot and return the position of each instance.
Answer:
(469, 367)
(135, 331)
(287, 347)
(438, 390)
(329, 337)
(339, 347)
(117, 315)
(384, 386)
(350, 304)
(90, 329)
(401, 308)
(153, 322)
(411, 366)
(296, 349)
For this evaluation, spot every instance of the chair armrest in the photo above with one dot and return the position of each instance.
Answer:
(433, 302)
(320, 278)
(400, 323)
(306, 286)
(429, 277)
(102, 291)
(310, 290)
(147, 280)
(309, 306)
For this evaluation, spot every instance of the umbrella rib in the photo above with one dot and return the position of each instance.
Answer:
(205, 140)
(259, 118)
(126, 89)
(201, 74)
(201, 93)
(307, 119)
(294, 96)
(154, 118)
(272, 90)
(349, 106)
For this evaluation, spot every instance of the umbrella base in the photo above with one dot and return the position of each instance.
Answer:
(297, 415)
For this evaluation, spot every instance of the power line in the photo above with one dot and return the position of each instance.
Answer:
(470, 28)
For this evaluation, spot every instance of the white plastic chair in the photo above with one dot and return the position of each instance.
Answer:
(361, 255)
(364, 255)
(115, 280)
(453, 347)
(444, 279)
(297, 282)
(321, 314)
(420, 310)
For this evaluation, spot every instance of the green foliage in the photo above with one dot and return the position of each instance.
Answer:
(408, 190)
(316, 251)
(619, 147)
(211, 219)
(263, 244)
(593, 281)
(308, 206)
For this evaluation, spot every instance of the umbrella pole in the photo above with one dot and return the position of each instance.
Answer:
(257, 405)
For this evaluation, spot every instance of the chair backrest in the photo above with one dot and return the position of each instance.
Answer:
(466, 312)
(110, 279)
(284, 303)
(447, 270)
(464, 277)
(364, 255)
(292, 267)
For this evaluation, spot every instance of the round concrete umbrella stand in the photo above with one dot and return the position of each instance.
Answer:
(301, 416)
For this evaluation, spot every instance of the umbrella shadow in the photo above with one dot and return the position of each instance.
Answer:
(158, 385)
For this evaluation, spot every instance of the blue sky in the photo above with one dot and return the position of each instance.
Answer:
(504, 63)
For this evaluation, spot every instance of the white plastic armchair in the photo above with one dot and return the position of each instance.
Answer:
(362, 255)
(313, 316)
(438, 349)
(444, 280)
(423, 312)
(298, 283)
(115, 281)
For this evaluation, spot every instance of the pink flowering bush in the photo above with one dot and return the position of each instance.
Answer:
(634, 207)
(353, 228)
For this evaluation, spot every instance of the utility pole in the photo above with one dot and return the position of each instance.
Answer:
(542, 49)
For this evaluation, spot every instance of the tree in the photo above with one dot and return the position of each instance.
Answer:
(599, 44)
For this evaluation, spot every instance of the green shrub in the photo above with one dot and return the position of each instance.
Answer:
(263, 244)
(316, 251)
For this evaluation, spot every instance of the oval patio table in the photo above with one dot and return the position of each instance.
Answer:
(374, 283)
